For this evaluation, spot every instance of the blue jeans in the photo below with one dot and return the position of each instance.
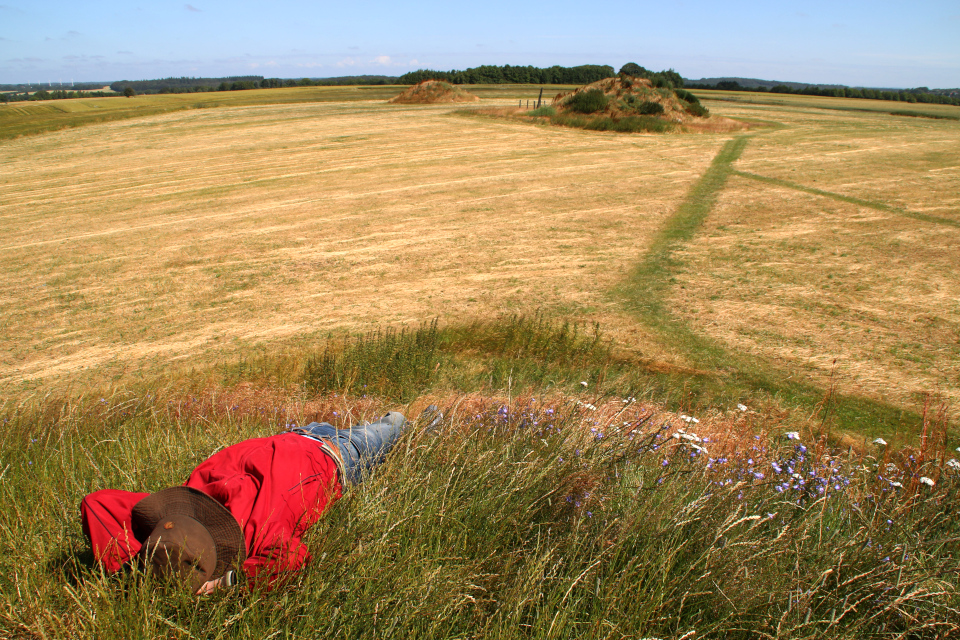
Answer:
(363, 446)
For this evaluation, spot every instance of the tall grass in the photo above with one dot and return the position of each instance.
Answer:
(515, 351)
(526, 519)
(527, 353)
(627, 124)
(400, 364)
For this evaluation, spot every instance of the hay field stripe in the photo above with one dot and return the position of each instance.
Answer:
(879, 206)
(259, 209)
(648, 284)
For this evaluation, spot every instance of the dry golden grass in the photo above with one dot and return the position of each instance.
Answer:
(830, 287)
(138, 246)
(193, 235)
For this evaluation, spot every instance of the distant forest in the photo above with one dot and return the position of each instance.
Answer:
(237, 83)
(920, 94)
(506, 74)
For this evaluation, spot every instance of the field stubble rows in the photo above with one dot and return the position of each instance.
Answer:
(194, 235)
(199, 233)
(865, 295)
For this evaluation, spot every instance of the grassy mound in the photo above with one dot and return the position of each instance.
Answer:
(559, 516)
(563, 510)
(626, 96)
(627, 104)
(433, 92)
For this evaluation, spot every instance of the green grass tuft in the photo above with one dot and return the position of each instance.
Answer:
(542, 111)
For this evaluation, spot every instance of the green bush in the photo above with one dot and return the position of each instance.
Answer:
(590, 101)
(697, 110)
(686, 96)
(648, 108)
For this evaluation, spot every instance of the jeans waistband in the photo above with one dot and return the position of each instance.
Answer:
(331, 449)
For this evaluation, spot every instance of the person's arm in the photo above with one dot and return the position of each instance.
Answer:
(105, 519)
(275, 563)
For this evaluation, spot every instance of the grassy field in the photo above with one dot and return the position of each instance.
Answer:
(174, 279)
(192, 236)
(219, 229)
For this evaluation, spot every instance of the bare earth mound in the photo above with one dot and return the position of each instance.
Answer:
(433, 92)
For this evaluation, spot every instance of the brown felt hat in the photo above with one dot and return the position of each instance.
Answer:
(187, 534)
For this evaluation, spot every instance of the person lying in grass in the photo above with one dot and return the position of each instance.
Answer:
(244, 508)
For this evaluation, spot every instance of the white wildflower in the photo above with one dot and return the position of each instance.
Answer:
(792, 435)
(953, 464)
(583, 383)
(880, 441)
(742, 407)
(894, 483)
(927, 481)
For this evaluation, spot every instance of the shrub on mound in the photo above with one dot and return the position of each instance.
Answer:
(686, 96)
(590, 101)
(648, 108)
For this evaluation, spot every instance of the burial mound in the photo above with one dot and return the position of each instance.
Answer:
(433, 92)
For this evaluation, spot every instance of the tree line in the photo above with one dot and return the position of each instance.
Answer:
(920, 94)
(240, 83)
(507, 74)
(56, 94)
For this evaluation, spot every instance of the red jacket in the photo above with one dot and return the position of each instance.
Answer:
(275, 487)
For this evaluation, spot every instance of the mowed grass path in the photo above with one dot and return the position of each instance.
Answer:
(189, 236)
(833, 250)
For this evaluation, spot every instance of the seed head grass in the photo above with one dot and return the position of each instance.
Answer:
(554, 516)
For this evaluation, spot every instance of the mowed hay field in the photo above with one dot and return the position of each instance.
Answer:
(835, 248)
(194, 235)
(180, 239)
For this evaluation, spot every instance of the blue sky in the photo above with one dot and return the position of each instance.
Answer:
(859, 43)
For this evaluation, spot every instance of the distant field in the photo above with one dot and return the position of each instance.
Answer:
(950, 112)
(29, 118)
(196, 234)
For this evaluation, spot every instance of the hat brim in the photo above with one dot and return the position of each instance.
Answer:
(219, 522)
